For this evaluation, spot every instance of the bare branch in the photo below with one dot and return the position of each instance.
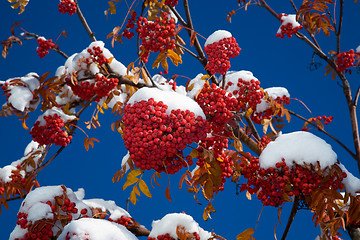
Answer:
(293, 212)
(323, 131)
(357, 97)
(84, 23)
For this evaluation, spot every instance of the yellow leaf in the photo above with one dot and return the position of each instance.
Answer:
(245, 235)
(174, 57)
(112, 7)
(144, 188)
(133, 197)
(134, 173)
(164, 64)
(159, 59)
(136, 190)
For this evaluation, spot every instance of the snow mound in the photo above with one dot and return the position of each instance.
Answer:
(217, 36)
(173, 100)
(170, 222)
(273, 92)
(352, 183)
(95, 229)
(299, 147)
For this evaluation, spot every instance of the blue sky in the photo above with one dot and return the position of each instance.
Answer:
(274, 61)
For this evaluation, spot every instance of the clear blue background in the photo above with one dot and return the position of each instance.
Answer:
(274, 61)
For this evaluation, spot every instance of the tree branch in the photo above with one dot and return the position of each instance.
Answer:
(340, 25)
(323, 131)
(346, 85)
(189, 28)
(84, 23)
(293, 212)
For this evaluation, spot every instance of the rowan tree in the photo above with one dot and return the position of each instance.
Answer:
(221, 130)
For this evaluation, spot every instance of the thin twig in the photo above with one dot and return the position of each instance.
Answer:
(84, 23)
(323, 131)
(294, 6)
(189, 51)
(252, 127)
(340, 25)
(293, 212)
(357, 97)
(147, 73)
(189, 28)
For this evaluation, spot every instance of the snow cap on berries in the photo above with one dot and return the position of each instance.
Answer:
(52, 111)
(352, 183)
(95, 229)
(217, 36)
(21, 97)
(172, 99)
(357, 50)
(273, 92)
(195, 85)
(170, 222)
(299, 147)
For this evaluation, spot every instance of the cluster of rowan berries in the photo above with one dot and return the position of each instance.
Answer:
(217, 105)
(96, 55)
(220, 53)
(247, 93)
(345, 60)
(51, 132)
(125, 221)
(275, 185)
(130, 25)
(269, 112)
(172, 3)
(35, 230)
(44, 46)
(155, 140)
(157, 35)
(287, 27)
(84, 236)
(101, 87)
(167, 236)
(67, 6)
(326, 119)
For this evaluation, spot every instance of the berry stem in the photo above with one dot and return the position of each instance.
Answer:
(293, 212)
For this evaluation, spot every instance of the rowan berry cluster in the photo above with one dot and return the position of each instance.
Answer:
(247, 93)
(130, 25)
(67, 6)
(157, 35)
(40, 230)
(217, 105)
(167, 236)
(101, 87)
(172, 3)
(125, 221)
(269, 112)
(326, 119)
(96, 55)
(288, 28)
(44, 46)
(345, 60)
(155, 140)
(220, 53)
(51, 132)
(275, 185)
(84, 236)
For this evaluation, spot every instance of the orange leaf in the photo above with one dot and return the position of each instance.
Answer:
(245, 235)
(167, 193)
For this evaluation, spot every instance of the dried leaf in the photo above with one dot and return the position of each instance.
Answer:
(245, 235)
(144, 188)
(167, 193)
